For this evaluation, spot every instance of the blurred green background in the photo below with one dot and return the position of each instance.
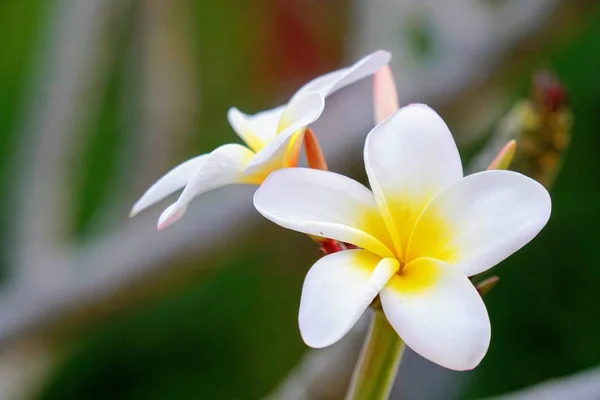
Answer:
(224, 326)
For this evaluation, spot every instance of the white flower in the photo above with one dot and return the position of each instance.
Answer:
(273, 138)
(423, 230)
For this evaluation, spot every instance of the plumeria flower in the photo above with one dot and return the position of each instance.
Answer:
(421, 232)
(273, 139)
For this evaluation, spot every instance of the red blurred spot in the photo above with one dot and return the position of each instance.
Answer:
(548, 92)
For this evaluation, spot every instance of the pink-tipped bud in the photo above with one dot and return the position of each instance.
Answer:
(505, 156)
(385, 97)
(314, 154)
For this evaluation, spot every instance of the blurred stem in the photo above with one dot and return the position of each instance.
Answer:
(378, 363)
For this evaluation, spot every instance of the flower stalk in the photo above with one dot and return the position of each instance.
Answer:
(378, 363)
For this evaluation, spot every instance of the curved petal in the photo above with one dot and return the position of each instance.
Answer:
(241, 124)
(170, 182)
(336, 292)
(410, 157)
(301, 111)
(259, 129)
(481, 220)
(438, 313)
(282, 151)
(223, 166)
(333, 81)
(255, 130)
(325, 204)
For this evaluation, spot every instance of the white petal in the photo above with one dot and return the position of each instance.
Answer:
(282, 151)
(481, 220)
(259, 129)
(438, 313)
(300, 112)
(172, 181)
(266, 121)
(255, 130)
(336, 292)
(242, 125)
(333, 81)
(171, 215)
(223, 166)
(410, 157)
(326, 204)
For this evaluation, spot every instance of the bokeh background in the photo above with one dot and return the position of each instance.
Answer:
(98, 98)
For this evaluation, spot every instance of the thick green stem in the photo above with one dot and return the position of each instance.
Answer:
(378, 363)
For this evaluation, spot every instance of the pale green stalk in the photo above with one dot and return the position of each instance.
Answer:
(378, 363)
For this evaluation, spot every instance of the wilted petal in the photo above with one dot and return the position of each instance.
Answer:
(324, 204)
(438, 313)
(410, 157)
(336, 292)
(172, 181)
(480, 220)
(223, 166)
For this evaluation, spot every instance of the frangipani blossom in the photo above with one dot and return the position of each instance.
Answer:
(273, 140)
(422, 231)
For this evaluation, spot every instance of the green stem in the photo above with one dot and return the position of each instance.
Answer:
(378, 363)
